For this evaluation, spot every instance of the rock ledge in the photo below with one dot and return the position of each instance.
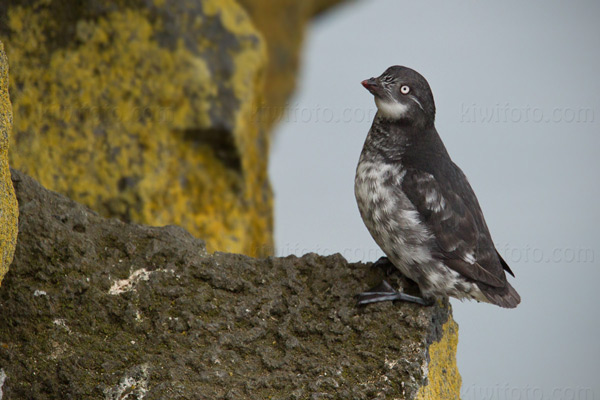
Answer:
(95, 308)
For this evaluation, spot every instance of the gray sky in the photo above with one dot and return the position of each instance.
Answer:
(518, 98)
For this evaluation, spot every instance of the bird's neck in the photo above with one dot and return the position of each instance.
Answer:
(396, 141)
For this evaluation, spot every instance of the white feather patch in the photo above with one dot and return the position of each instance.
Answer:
(391, 109)
(469, 257)
(435, 201)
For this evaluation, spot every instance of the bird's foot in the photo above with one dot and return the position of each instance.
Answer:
(385, 292)
(385, 265)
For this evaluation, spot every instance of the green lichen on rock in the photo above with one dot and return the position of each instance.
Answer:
(8, 202)
(143, 110)
(97, 308)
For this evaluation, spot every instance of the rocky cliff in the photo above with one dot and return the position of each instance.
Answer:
(95, 308)
(156, 111)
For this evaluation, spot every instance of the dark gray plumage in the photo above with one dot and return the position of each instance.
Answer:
(418, 205)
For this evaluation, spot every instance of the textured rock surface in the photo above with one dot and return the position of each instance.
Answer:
(8, 203)
(94, 308)
(144, 110)
(156, 111)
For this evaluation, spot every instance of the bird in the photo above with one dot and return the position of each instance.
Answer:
(418, 205)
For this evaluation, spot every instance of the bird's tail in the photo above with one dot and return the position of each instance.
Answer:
(508, 298)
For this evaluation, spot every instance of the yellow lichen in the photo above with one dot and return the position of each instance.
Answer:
(444, 378)
(8, 203)
(110, 120)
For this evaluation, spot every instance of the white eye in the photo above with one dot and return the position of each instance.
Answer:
(404, 89)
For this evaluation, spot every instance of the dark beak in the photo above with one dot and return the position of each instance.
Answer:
(371, 85)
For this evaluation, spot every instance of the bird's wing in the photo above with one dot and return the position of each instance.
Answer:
(450, 210)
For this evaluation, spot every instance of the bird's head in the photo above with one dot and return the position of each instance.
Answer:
(402, 93)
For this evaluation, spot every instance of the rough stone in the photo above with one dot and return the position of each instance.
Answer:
(156, 111)
(143, 110)
(95, 308)
(8, 202)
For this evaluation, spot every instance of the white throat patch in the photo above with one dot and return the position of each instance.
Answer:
(391, 109)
